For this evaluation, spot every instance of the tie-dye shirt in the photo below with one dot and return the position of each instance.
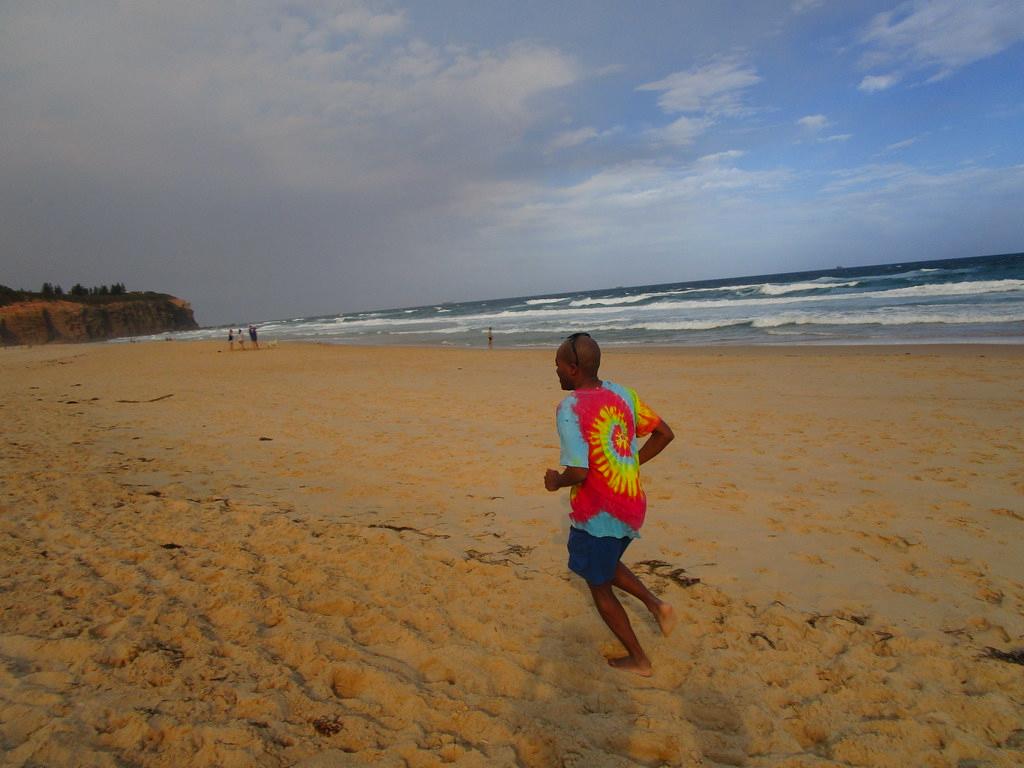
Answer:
(598, 429)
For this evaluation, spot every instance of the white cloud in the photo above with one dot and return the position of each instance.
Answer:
(504, 82)
(910, 197)
(743, 221)
(684, 130)
(317, 98)
(313, 141)
(802, 6)
(706, 94)
(813, 122)
(610, 204)
(874, 175)
(569, 139)
(721, 157)
(901, 144)
(875, 83)
(715, 88)
(579, 137)
(816, 123)
(364, 23)
(942, 35)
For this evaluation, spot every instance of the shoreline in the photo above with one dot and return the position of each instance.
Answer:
(1015, 341)
(619, 347)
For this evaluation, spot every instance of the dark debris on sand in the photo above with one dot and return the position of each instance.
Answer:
(504, 557)
(410, 529)
(656, 568)
(327, 726)
(1011, 657)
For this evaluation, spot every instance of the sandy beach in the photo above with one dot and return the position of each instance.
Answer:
(323, 556)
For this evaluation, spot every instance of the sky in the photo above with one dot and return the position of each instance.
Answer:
(268, 160)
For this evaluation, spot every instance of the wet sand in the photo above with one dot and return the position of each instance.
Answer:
(326, 556)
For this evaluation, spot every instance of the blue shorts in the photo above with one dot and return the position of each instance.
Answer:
(595, 557)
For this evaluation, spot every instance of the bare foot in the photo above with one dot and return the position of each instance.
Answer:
(666, 618)
(629, 664)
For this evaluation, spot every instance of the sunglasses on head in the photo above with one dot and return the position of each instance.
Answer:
(571, 338)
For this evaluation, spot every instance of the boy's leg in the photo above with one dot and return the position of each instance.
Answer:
(627, 581)
(615, 617)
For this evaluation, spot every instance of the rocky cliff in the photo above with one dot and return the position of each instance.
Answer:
(43, 321)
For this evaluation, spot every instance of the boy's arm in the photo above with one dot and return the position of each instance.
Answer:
(553, 479)
(661, 436)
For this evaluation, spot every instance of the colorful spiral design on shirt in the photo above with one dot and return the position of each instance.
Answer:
(613, 455)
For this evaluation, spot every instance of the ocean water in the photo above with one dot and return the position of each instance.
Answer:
(973, 300)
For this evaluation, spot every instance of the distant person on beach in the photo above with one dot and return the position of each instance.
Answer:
(490, 338)
(231, 339)
(598, 426)
(241, 340)
(252, 336)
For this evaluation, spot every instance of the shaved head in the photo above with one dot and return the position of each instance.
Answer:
(587, 354)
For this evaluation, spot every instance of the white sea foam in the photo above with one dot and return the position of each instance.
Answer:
(767, 289)
(719, 288)
(484, 317)
(561, 317)
(534, 302)
(675, 325)
(376, 322)
(430, 331)
(968, 315)
(916, 273)
(616, 300)
(888, 316)
(778, 289)
(968, 288)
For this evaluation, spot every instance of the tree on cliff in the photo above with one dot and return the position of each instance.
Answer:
(78, 292)
(10, 296)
